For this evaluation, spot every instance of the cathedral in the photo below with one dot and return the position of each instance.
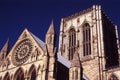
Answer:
(88, 49)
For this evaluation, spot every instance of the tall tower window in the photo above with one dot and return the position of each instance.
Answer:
(86, 40)
(72, 43)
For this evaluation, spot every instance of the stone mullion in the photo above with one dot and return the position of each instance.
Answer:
(73, 44)
(85, 42)
(39, 76)
(27, 78)
(51, 68)
(117, 40)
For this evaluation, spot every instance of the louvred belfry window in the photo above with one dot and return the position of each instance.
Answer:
(86, 40)
(72, 43)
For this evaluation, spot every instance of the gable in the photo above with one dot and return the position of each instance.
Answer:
(27, 48)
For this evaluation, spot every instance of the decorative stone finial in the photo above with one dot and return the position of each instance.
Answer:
(51, 28)
(76, 60)
(5, 47)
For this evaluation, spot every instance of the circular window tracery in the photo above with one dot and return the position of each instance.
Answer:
(22, 52)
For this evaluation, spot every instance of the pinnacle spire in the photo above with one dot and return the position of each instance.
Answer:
(76, 60)
(5, 47)
(51, 28)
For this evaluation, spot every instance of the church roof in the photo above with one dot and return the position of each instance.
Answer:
(40, 42)
(76, 60)
(51, 28)
(62, 60)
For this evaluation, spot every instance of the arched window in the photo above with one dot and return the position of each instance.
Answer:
(19, 75)
(76, 74)
(32, 73)
(7, 76)
(113, 77)
(72, 43)
(86, 40)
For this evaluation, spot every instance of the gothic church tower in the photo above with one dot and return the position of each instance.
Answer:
(88, 50)
(96, 38)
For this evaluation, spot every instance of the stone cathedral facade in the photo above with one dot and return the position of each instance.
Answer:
(88, 50)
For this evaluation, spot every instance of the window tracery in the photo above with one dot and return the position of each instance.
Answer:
(19, 75)
(7, 76)
(72, 43)
(22, 52)
(86, 40)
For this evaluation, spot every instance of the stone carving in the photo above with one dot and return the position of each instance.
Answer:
(78, 20)
(1, 56)
(25, 35)
(35, 54)
(49, 39)
(7, 63)
(22, 52)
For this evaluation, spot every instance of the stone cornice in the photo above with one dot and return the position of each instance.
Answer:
(78, 14)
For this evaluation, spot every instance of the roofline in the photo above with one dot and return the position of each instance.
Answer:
(79, 13)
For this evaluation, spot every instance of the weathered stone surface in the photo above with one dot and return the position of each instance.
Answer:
(95, 62)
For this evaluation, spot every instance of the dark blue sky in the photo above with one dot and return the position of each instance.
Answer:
(36, 15)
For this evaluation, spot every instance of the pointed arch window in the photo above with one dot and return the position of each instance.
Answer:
(32, 72)
(33, 75)
(86, 40)
(7, 76)
(20, 75)
(72, 43)
(113, 77)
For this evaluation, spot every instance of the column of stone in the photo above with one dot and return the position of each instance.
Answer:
(39, 75)
(27, 77)
(117, 38)
(98, 41)
(66, 54)
(51, 68)
(43, 76)
(71, 74)
(61, 36)
(51, 52)
(44, 69)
